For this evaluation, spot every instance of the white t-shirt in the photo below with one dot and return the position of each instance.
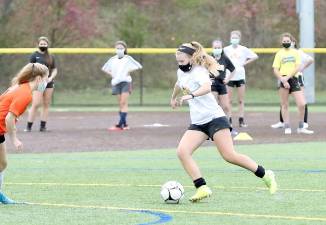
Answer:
(304, 58)
(203, 109)
(238, 57)
(120, 68)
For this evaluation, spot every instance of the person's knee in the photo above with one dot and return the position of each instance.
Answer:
(3, 165)
(35, 105)
(285, 106)
(229, 157)
(123, 104)
(182, 153)
(46, 104)
(301, 105)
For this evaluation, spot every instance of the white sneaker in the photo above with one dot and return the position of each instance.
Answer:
(305, 125)
(277, 125)
(304, 131)
(287, 131)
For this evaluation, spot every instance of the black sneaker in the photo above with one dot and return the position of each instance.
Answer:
(43, 129)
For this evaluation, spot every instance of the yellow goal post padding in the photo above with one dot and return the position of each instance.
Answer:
(134, 50)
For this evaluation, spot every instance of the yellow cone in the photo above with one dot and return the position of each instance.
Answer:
(243, 136)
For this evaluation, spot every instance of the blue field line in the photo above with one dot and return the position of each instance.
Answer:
(162, 217)
(138, 170)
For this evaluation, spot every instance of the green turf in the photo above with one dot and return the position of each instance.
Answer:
(312, 108)
(237, 198)
(151, 96)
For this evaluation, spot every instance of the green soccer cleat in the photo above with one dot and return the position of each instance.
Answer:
(201, 193)
(270, 181)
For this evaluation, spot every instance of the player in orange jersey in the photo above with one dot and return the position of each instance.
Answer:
(13, 103)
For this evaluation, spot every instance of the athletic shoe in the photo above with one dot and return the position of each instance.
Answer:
(243, 124)
(304, 131)
(277, 125)
(270, 181)
(27, 130)
(5, 200)
(234, 132)
(305, 125)
(287, 131)
(201, 193)
(126, 127)
(115, 128)
(43, 129)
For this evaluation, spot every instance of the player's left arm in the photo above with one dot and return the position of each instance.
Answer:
(53, 74)
(251, 57)
(134, 65)
(54, 71)
(307, 64)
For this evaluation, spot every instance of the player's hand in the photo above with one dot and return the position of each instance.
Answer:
(284, 79)
(286, 85)
(184, 98)
(226, 80)
(174, 103)
(18, 144)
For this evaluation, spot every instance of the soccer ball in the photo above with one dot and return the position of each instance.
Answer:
(172, 192)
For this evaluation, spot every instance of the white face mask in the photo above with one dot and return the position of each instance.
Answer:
(235, 41)
(217, 51)
(120, 52)
(42, 86)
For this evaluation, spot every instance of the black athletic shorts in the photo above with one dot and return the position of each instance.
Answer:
(50, 85)
(122, 87)
(212, 127)
(294, 85)
(219, 87)
(2, 138)
(301, 80)
(236, 83)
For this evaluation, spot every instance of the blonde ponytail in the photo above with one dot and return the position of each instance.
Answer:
(29, 73)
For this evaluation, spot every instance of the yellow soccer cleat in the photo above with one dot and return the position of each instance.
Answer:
(270, 181)
(201, 193)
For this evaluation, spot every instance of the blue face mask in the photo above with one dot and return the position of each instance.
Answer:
(235, 41)
(42, 86)
(217, 51)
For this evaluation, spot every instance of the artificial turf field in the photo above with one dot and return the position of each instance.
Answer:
(123, 187)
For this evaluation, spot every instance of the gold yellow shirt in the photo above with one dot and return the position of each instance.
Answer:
(286, 61)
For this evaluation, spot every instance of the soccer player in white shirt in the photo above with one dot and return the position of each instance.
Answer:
(207, 118)
(119, 68)
(240, 56)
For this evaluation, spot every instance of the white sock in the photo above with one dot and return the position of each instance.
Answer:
(1, 179)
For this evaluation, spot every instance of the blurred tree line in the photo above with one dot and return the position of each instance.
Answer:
(147, 23)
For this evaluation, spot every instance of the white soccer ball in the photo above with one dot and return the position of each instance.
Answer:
(172, 192)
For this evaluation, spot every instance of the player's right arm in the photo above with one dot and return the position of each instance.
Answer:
(107, 67)
(11, 130)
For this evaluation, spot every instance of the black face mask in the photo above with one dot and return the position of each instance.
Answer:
(43, 49)
(185, 68)
(286, 45)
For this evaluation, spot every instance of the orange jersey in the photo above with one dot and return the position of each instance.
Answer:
(14, 100)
